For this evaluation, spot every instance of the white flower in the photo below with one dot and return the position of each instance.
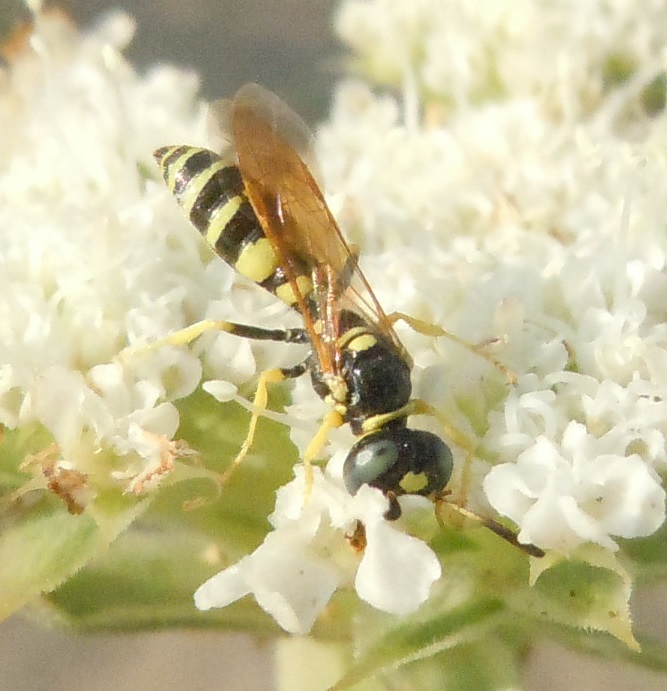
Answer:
(312, 552)
(522, 192)
(565, 495)
(95, 257)
(513, 195)
(466, 53)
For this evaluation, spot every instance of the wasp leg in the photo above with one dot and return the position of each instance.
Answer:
(462, 440)
(259, 405)
(418, 407)
(428, 329)
(260, 401)
(332, 420)
(498, 528)
(190, 333)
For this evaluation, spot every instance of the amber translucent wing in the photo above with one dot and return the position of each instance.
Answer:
(273, 144)
(291, 128)
(274, 149)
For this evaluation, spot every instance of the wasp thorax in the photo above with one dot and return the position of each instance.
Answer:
(399, 460)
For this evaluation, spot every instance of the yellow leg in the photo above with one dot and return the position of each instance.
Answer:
(419, 407)
(177, 338)
(260, 402)
(190, 333)
(332, 420)
(428, 329)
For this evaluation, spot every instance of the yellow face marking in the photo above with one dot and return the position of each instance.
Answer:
(222, 216)
(257, 261)
(413, 483)
(286, 294)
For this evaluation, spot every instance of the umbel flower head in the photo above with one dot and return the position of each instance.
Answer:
(98, 263)
(514, 199)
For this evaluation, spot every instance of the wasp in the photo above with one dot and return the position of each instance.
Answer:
(261, 210)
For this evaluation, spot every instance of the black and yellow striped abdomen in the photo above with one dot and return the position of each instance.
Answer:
(212, 194)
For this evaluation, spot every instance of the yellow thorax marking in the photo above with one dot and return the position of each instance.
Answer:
(357, 339)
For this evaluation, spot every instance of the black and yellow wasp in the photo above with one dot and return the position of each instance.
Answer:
(265, 215)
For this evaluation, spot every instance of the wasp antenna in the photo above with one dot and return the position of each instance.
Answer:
(499, 529)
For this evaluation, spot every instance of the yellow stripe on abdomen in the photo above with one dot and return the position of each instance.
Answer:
(220, 219)
(257, 261)
(196, 184)
(286, 293)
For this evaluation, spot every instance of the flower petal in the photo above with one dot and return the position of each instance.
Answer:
(397, 570)
(288, 583)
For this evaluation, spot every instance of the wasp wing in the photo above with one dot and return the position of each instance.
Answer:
(275, 150)
(291, 127)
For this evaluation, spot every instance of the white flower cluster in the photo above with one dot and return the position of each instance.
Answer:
(515, 192)
(314, 550)
(95, 256)
(525, 202)
(558, 53)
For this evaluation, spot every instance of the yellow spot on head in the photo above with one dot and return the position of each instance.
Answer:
(413, 483)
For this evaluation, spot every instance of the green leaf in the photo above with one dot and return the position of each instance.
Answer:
(420, 636)
(648, 555)
(41, 545)
(326, 662)
(146, 582)
(589, 591)
(147, 579)
(490, 664)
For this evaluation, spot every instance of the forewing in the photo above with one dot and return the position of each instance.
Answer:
(275, 150)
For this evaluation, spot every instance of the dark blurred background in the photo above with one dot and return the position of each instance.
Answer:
(288, 46)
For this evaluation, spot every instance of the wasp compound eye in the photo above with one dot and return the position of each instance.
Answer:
(398, 460)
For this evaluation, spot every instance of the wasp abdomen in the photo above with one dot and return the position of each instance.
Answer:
(212, 193)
